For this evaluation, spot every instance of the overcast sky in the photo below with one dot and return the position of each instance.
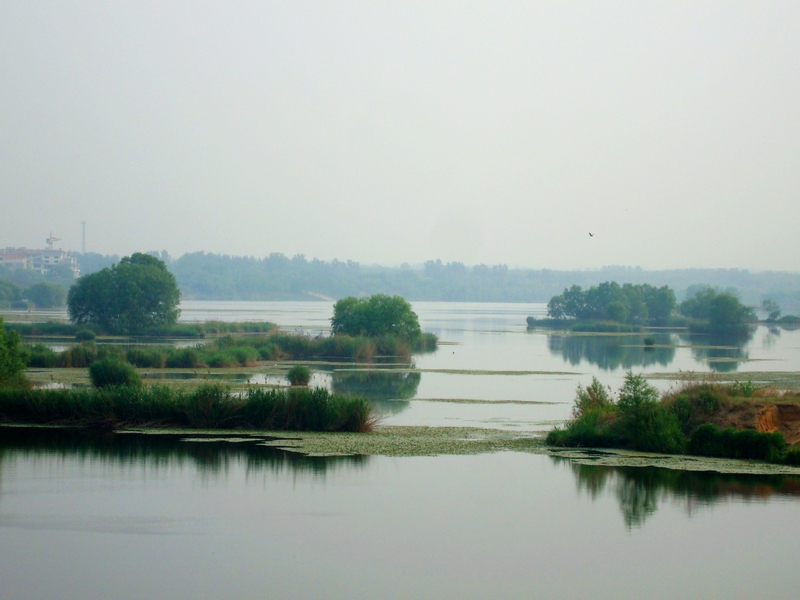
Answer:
(390, 132)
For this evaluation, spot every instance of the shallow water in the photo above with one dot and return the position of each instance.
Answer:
(138, 517)
(131, 516)
(505, 361)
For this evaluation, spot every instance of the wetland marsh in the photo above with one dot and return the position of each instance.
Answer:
(454, 496)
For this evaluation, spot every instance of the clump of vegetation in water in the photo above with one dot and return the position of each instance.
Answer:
(299, 375)
(207, 407)
(110, 372)
(677, 423)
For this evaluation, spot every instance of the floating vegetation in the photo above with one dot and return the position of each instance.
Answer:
(477, 401)
(785, 380)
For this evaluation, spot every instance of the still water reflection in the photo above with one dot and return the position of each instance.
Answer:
(132, 516)
(640, 490)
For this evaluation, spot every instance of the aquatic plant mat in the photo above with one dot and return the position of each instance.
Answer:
(784, 380)
(626, 458)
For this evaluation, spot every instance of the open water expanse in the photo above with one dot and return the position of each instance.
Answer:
(130, 516)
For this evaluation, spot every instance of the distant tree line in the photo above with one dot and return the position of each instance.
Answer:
(206, 276)
(39, 295)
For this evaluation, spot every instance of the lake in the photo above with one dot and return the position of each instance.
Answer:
(132, 516)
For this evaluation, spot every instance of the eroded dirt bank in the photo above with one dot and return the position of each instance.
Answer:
(764, 417)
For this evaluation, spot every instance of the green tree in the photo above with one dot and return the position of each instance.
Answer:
(9, 293)
(46, 295)
(721, 312)
(129, 297)
(12, 356)
(375, 316)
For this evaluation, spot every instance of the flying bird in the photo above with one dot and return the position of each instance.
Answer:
(591, 234)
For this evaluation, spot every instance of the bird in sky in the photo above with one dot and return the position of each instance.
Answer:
(591, 234)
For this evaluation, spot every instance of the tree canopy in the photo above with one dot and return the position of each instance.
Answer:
(46, 295)
(129, 297)
(610, 301)
(375, 316)
(720, 312)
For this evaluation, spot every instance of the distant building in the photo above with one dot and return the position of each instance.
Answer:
(38, 260)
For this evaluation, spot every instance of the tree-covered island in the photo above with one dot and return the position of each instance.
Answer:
(630, 307)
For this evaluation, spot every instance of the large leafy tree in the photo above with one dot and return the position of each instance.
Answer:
(375, 316)
(129, 297)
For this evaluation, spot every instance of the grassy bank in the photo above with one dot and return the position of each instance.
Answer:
(689, 420)
(207, 407)
(234, 351)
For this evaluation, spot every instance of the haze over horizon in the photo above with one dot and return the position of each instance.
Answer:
(402, 132)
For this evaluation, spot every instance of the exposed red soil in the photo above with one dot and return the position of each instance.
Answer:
(764, 417)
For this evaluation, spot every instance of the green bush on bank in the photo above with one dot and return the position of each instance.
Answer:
(207, 407)
(710, 440)
(677, 423)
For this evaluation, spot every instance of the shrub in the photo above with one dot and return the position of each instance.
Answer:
(13, 357)
(85, 335)
(77, 357)
(147, 358)
(710, 440)
(792, 457)
(299, 375)
(643, 421)
(112, 372)
(649, 341)
(694, 404)
(185, 358)
(593, 398)
(42, 357)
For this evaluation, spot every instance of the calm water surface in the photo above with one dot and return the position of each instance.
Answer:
(133, 517)
(494, 337)
(141, 517)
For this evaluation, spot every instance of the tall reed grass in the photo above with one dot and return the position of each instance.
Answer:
(207, 407)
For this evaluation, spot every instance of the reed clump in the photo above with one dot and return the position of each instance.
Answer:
(207, 407)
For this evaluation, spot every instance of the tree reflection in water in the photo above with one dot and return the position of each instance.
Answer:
(723, 353)
(611, 352)
(639, 490)
(386, 389)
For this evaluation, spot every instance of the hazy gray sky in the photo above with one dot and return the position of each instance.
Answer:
(403, 131)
